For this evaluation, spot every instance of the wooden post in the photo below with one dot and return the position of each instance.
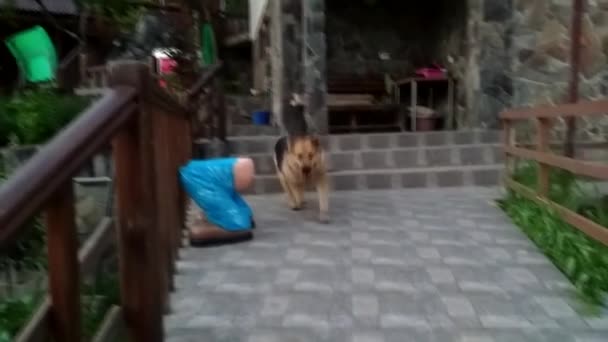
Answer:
(175, 161)
(143, 265)
(185, 142)
(543, 132)
(414, 104)
(451, 104)
(221, 109)
(578, 7)
(139, 287)
(64, 273)
(508, 129)
(165, 180)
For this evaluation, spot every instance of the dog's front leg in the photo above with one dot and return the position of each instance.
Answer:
(288, 192)
(298, 194)
(323, 193)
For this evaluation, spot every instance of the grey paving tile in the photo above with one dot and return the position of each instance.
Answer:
(409, 265)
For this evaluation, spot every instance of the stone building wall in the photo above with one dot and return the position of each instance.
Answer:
(541, 51)
(504, 53)
(519, 55)
(413, 34)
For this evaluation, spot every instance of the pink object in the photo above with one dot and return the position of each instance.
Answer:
(165, 67)
(435, 71)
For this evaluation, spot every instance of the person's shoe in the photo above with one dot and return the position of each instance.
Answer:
(213, 236)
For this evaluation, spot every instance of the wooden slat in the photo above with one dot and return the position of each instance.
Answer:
(64, 274)
(542, 146)
(38, 328)
(580, 109)
(578, 167)
(112, 328)
(204, 80)
(161, 181)
(101, 239)
(590, 228)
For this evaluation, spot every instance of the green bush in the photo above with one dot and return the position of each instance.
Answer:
(582, 259)
(14, 314)
(35, 116)
(96, 298)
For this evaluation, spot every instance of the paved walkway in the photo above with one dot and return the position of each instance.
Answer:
(394, 266)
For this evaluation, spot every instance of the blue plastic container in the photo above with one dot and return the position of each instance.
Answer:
(261, 118)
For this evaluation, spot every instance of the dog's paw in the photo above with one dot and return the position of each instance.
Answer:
(324, 217)
(296, 207)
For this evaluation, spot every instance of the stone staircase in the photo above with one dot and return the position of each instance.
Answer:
(384, 161)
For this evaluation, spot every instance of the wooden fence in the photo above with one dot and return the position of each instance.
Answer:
(150, 134)
(545, 116)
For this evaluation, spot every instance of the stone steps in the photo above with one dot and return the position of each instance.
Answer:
(375, 179)
(399, 158)
(352, 142)
(386, 160)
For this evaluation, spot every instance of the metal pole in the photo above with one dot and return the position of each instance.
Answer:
(575, 59)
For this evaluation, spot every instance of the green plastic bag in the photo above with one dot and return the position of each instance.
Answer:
(207, 44)
(35, 54)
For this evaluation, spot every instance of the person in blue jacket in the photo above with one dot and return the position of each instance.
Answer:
(217, 213)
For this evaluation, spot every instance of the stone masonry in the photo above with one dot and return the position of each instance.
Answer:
(511, 53)
(385, 161)
(541, 42)
(392, 266)
(518, 54)
(314, 64)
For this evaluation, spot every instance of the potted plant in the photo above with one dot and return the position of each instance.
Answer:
(426, 118)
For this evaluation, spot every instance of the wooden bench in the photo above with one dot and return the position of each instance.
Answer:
(360, 96)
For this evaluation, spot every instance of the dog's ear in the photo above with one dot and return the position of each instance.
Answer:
(291, 141)
(316, 143)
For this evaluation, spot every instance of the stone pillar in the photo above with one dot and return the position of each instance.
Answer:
(495, 62)
(286, 16)
(314, 65)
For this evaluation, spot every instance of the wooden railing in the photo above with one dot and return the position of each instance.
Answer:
(544, 118)
(151, 138)
(69, 70)
(207, 93)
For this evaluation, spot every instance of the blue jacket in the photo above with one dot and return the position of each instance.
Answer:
(210, 184)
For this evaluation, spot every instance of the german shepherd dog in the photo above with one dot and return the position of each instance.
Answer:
(300, 161)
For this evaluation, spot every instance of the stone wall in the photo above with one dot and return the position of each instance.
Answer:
(413, 35)
(519, 55)
(495, 91)
(542, 52)
(504, 53)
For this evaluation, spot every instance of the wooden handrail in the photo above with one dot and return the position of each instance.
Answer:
(149, 144)
(204, 80)
(23, 194)
(68, 71)
(579, 167)
(210, 79)
(544, 115)
(583, 108)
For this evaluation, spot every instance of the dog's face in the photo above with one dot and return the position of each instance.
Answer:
(305, 154)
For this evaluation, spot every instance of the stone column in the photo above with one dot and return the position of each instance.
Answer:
(286, 16)
(314, 65)
(495, 62)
